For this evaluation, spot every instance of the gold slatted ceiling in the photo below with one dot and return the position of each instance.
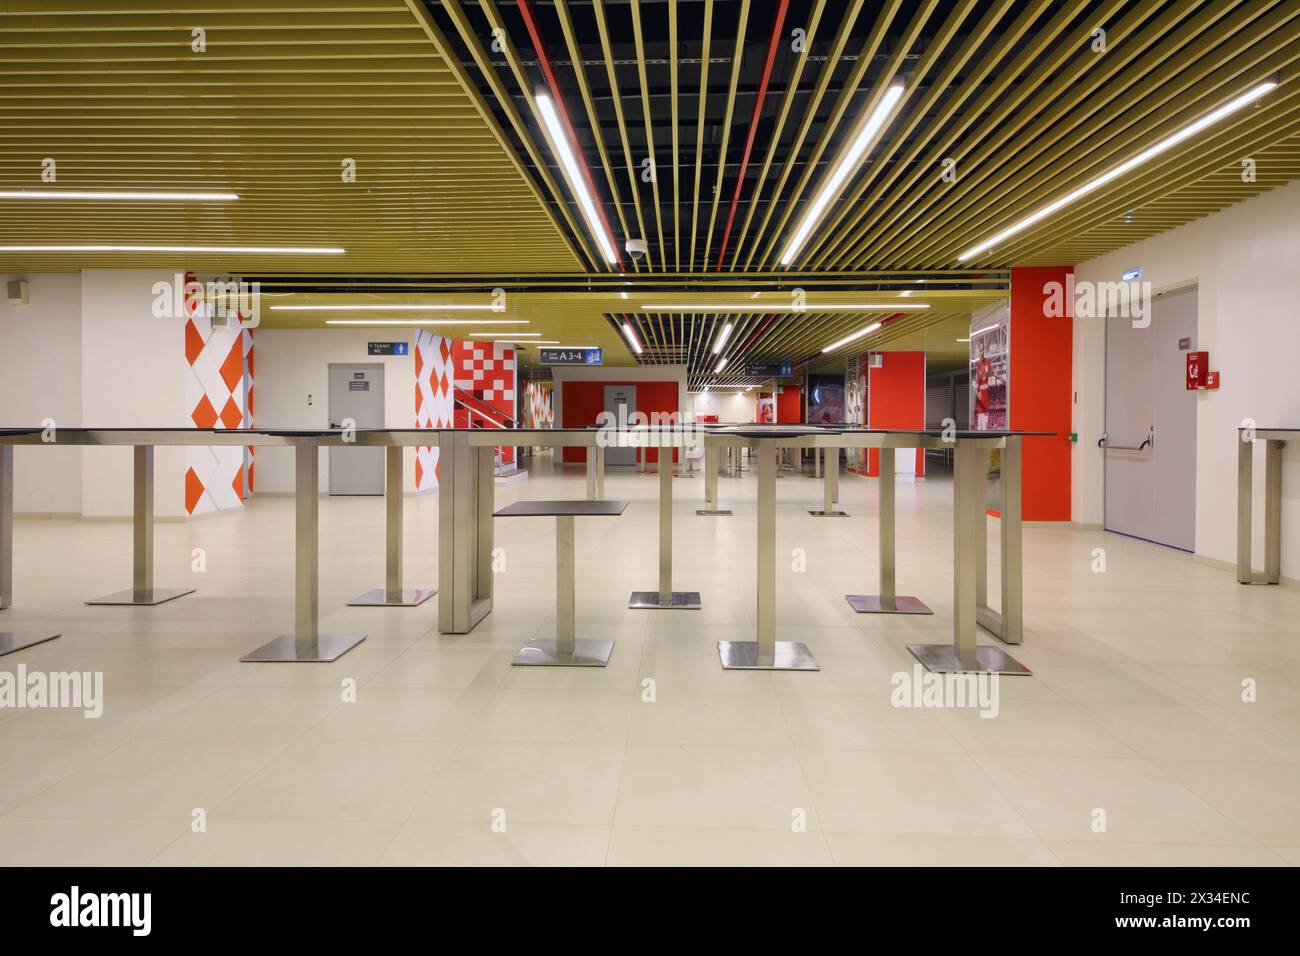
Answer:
(1011, 90)
(284, 93)
(456, 180)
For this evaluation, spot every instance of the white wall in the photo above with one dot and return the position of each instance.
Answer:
(292, 364)
(1246, 263)
(132, 374)
(40, 378)
(732, 408)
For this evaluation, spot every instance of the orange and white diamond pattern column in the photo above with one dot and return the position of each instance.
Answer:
(433, 400)
(219, 394)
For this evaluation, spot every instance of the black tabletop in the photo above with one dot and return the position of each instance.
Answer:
(551, 509)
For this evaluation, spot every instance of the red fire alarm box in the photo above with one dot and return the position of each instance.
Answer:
(1198, 368)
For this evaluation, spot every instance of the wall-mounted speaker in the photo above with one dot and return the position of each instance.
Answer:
(17, 289)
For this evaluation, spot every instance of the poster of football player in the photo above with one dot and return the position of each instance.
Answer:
(990, 367)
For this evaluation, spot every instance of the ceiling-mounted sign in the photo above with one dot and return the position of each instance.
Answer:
(570, 356)
(770, 369)
(386, 348)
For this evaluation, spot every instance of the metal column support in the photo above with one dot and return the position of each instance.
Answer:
(567, 650)
(665, 597)
(306, 644)
(766, 653)
(711, 466)
(886, 602)
(830, 486)
(11, 641)
(142, 591)
(392, 594)
(465, 498)
(1007, 623)
(1272, 512)
(964, 656)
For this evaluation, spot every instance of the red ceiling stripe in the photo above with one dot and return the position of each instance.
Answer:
(535, 35)
(753, 124)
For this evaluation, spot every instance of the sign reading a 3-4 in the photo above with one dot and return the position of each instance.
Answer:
(570, 356)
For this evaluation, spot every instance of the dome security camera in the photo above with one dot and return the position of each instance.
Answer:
(637, 248)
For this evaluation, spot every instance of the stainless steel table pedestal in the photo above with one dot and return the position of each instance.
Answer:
(665, 598)
(886, 602)
(11, 641)
(831, 487)
(392, 594)
(1006, 624)
(465, 495)
(962, 656)
(566, 650)
(305, 644)
(711, 483)
(142, 591)
(766, 653)
(596, 472)
(1272, 511)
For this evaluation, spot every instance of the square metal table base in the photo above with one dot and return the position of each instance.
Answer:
(788, 656)
(678, 600)
(829, 514)
(706, 511)
(587, 652)
(871, 604)
(11, 641)
(407, 597)
(943, 659)
(323, 649)
(148, 598)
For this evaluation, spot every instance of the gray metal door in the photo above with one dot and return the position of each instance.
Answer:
(624, 397)
(357, 395)
(1151, 424)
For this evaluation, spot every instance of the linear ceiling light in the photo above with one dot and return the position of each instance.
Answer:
(97, 194)
(388, 307)
(424, 322)
(722, 338)
(569, 163)
(721, 366)
(632, 339)
(501, 335)
(849, 338)
(848, 162)
(1114, 172)
(768, 307)
(251, 250)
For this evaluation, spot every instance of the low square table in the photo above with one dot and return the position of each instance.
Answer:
(566, 650)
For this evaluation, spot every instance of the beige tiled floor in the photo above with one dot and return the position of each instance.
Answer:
(450, 756)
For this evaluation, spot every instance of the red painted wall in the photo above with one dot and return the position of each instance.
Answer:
(789, 405)
(896, 399)
(1041, 392)
(584, 401)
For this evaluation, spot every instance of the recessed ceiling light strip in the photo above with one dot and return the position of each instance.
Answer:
(116, 195)
(218, 250)
(632, 339)
(1209, 119)
(564, 151)
(757, 307)
(847, 164)
(852, 338)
